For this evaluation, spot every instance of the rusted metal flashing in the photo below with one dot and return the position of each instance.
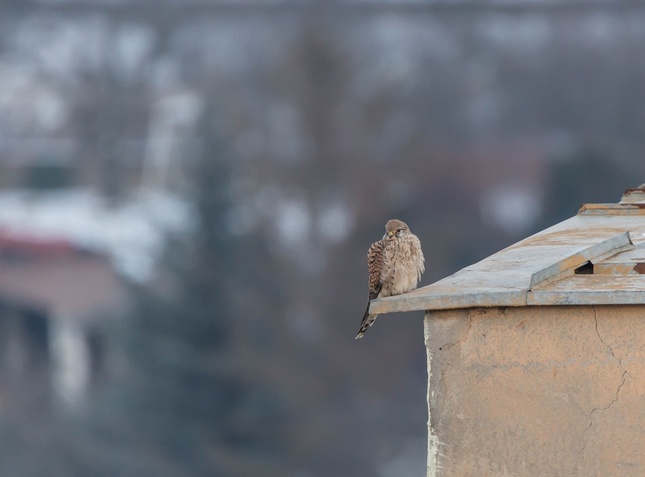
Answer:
(635, 208)
(633, 195)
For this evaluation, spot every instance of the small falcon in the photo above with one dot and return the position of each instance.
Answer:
(395, 265)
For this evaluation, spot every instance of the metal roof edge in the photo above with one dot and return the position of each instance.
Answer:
(544, 268)
(589, 297)
(625, 208)
(502, 280)
(448, 298)
(448, 301)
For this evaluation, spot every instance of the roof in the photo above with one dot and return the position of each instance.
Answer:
(594, 258)
(57, 277)
(75, 288)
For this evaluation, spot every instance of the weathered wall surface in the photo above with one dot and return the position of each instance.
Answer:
(537, 391)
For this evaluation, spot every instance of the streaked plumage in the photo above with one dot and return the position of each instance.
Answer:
(395, 264)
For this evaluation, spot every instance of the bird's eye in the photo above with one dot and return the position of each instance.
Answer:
(399, 230)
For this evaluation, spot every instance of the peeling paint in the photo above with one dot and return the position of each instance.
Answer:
(433, 440)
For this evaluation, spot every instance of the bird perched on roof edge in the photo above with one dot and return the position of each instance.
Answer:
(395, 265)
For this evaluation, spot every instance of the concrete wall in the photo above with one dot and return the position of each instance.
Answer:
(537, 391)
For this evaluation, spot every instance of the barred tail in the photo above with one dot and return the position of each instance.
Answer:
(368, 319)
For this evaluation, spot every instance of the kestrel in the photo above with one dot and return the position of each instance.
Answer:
(395, 265)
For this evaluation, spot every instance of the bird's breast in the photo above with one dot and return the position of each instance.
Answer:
(404, 268)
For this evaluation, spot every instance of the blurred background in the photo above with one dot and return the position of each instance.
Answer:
(188, 189)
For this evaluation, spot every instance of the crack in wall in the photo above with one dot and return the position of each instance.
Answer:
(615, 398)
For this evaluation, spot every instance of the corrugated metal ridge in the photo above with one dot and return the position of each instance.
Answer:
(610, 246)
(631, 208)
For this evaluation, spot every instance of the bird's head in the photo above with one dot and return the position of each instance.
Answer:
(395, 228)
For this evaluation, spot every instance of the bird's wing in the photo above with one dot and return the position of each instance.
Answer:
(375, 267)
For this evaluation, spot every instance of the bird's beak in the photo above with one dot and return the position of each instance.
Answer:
(390, 233)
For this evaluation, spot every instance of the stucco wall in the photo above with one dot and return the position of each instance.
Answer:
(537, 391)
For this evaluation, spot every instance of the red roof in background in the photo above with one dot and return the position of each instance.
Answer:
(58, 277)
(32, 245)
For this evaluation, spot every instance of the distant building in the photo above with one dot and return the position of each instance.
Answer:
(535, 354)
(51, 294)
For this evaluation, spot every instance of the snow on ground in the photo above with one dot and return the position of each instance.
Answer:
(131, 234)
